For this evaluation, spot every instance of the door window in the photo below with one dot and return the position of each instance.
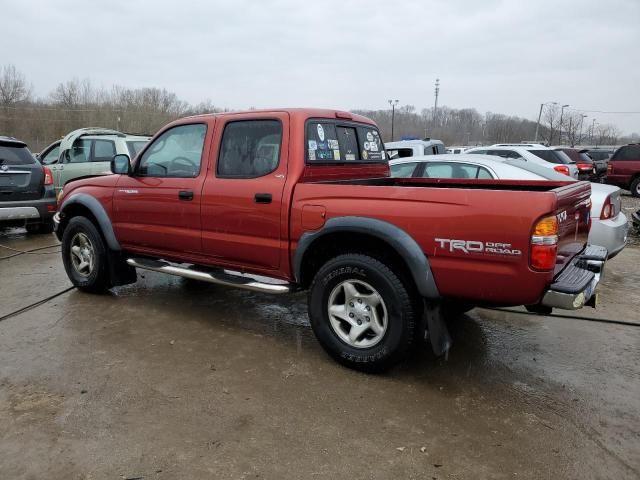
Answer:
(80, 151)
(176, 153)
(103, 150)
(403, 170)
(455, 170)
(249, 148)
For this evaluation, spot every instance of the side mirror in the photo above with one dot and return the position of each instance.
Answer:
(120, 164)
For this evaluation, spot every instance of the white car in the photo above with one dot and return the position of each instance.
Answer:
(609, 225)
(534, 153)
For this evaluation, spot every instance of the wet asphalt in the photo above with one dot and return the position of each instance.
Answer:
(170, 379)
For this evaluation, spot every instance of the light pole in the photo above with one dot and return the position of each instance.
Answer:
(540, 115)
(393, 104)
(560, 127)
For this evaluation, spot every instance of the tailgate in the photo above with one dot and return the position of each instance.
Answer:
(22, 182)
(573, 213)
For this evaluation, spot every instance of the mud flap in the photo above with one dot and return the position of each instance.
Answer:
(436, 329)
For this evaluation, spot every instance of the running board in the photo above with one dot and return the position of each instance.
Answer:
(219, 277)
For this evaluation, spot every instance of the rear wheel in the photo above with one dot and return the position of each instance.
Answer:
(635, 187)
(361, 313)
(85, 256)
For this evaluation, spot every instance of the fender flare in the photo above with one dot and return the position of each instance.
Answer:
(100, 214)
(398, 239)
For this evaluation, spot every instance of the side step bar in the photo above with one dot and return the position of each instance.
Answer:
(219, 277)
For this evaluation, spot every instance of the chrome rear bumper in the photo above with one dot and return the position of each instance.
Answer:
(575, 286)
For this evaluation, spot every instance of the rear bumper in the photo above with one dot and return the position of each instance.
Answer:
(574, 287)
(28, 210)
(610, 234)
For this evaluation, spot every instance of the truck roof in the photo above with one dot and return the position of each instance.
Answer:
(294, 112)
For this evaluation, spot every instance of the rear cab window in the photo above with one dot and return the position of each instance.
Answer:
(331, 142)
(552, 156)
(400, 153)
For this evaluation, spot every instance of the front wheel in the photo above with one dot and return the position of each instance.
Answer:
(85, 256)
(362, 313)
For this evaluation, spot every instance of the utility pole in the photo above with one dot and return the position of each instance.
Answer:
(582, 117)
(435, 104)
(560, 127)
(393, 104)
(540, 116)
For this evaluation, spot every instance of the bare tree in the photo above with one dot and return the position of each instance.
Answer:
(13, 86)
(551, 123)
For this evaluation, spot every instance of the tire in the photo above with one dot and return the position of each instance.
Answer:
(87, 267)
(387, 315)
(635, 187)
(32, 228)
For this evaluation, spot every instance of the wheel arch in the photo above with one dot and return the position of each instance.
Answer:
(378, 238)
(88, 206)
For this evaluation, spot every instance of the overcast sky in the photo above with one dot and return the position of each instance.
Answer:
(499, 56)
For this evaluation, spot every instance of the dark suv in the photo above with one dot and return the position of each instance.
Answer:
(624, 168)
(27, 197)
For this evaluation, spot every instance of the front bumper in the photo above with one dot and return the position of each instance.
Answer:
(27, 210)
(574, 287)
(610, 234)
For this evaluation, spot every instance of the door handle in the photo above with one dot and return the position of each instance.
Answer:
(185, 195)
(263, 198)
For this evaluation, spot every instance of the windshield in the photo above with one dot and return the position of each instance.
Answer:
(10, 155)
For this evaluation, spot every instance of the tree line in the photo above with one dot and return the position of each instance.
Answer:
(77, 103)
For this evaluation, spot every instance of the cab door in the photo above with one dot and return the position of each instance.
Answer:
(156, 209)
(242, 207)
(74, 162)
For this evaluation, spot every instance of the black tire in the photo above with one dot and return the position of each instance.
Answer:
(32, 228)
(96, 280)
(635, 187)
(400, 305)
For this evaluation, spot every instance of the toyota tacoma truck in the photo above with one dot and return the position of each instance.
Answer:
(301, 199)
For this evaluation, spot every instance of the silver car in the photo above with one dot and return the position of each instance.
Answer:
(609, 225)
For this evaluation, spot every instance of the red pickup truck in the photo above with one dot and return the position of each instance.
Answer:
(282, 200)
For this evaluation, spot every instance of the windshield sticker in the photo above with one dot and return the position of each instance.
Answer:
(370, 136)
(365, 155)
(320, 133)
(366, 145)
(373, 147)
(313, 145)
(333, 144)
(382, 153)
(312, 154)
(336, 154)
(350, 157)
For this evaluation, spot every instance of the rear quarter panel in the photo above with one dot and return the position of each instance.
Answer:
(428, 214)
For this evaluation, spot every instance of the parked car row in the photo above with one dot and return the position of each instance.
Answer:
(29, 183)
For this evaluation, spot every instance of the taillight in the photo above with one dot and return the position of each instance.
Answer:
(608, 209)
(584, 166)
(562, 169)
(609, 169)
(544, 244)
(48, 176)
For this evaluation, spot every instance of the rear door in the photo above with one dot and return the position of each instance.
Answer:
(242, 205)
(21, 176)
